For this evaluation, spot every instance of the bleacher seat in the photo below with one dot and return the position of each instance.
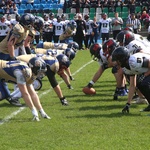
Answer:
(22, 6)
(91, 15)
(111, 15)
(49, 1)
(124, 9)
(98, 17)
(99, 10)
(138, 9)
(55, 1)
(67, 10)
(24, 2)
(60, 5)
(21, 11)
(37, 1)
(1, 11)
(72, 10)
(43, 2)
(71, 16)
(92, 10)
(105, 10)
(29, 6)
(118, 9)
(36, 6)
(60, 11)
(85, 10)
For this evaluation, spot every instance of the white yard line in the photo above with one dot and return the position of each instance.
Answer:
(7, 118)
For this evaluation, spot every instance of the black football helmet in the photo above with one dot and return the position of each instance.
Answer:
(121, 54)
(37, 65)
(69, 53)
(39, 23)
(17, 17)
(72, 24)
(74, 46)
(95, 50)
(125, 37)
(27, 20)
(51, 15)
(108, 47)
(63, 60)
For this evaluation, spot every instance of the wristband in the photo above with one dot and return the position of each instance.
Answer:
(91, 82)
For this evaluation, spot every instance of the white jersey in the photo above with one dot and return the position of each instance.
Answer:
(65, 22)
(136, 64)
(48, 26)
(4, 28)
(134, 45)
(105, 25)
(103, 59)
(89, 27)
(13, 22)
(140, 38)
(59, 28)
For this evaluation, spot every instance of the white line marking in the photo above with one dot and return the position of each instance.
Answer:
(7, 118)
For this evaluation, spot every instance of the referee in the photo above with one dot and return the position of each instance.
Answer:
(134, 23)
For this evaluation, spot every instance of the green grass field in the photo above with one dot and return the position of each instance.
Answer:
(88, 123)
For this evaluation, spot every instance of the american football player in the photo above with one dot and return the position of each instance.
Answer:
(70, 30)
(61, 46)
(15, 39)
(137, 64)
(54, 65)
(104, 61)
(23, 74)
(65, 74)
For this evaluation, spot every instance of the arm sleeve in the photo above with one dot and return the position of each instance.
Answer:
(19, 77)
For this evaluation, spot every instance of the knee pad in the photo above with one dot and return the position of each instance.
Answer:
(114, 70)
(40, 45)
(37, 84)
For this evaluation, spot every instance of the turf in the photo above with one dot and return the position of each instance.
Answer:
(88, 123)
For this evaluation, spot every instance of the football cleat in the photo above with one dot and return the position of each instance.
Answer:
(122, 92)
(35, 118)
(64, 102)
(45, 116)
(146, 109)
(14, 102)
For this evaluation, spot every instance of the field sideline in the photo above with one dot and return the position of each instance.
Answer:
(88, 123)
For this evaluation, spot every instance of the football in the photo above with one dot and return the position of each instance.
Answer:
(88, 91)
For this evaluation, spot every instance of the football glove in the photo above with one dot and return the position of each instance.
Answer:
(126, 108)
(69, 87)
(90, 85)
(63, 101)
(71, 78)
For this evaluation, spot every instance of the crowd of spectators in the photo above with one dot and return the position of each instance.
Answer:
(9, 6)
(110, 4)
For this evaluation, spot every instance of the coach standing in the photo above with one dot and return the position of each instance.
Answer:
(80, 32)
(117, 23)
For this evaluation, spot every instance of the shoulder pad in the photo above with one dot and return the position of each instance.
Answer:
(18, 28)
